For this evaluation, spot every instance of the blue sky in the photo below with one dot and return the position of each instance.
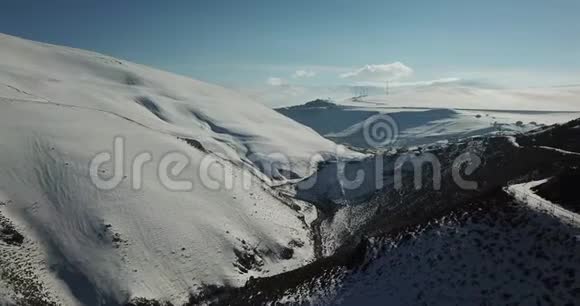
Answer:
(247, 43)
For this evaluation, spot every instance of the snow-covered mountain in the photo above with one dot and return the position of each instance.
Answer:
(221, 120)
(502, 243)
(216, 199)
(61, 107)
(416, 120)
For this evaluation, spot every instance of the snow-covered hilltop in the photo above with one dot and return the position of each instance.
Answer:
(61, 107)
(220, 119)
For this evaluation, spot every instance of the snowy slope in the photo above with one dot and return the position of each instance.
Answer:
(523, 192)
(60, 107)
(485, 255)
(222, 120)
(423, 123)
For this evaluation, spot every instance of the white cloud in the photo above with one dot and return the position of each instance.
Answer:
(303, 74)
(274, 81)
(380, 73)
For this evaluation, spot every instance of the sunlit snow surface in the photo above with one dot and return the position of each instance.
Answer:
(59, 107)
